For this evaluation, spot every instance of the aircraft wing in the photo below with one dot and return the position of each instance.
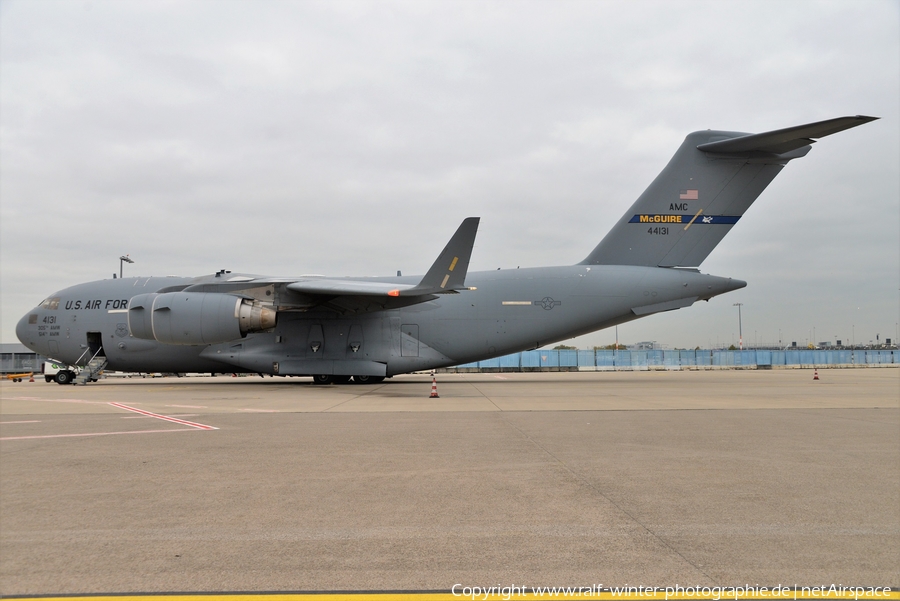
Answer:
(346, 287)
(447, 275)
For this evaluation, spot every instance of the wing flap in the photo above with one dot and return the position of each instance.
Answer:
(342, 287)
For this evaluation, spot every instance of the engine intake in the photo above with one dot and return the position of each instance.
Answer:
(196, 317)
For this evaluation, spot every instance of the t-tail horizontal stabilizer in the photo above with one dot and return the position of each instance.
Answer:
(782, 141)
(707, 186)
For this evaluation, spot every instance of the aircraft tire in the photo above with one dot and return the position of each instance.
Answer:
(323, 379)
(341, 379)
(64, 377)
(368, 379)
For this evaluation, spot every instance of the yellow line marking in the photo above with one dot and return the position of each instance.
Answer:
(516, 303)
(453, 263)
(444, 283)
(703, 594)
(694, 219)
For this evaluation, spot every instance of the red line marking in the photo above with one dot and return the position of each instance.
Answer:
(183, 422)
(100, 434)
(148, 417)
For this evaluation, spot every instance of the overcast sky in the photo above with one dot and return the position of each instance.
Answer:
(351, 138)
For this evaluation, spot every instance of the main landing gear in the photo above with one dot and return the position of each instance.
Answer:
(368, 379)
(64, 377)
(329, 379)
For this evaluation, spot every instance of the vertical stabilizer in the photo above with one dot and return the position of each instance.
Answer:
(707, 186)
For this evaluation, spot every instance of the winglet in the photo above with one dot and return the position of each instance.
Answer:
(448, 273)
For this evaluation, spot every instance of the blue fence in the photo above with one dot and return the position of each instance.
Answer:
(601, 360)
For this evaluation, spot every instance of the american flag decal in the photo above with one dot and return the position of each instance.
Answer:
(689, 195)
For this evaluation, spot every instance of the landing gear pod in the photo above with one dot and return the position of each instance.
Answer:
(196, 317)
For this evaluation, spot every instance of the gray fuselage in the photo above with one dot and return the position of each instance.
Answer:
(508, 311)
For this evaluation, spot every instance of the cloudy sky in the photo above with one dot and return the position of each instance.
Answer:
(351, 138)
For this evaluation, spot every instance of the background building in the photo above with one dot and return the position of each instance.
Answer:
(16, 358)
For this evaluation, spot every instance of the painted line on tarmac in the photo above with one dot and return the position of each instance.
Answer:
(175, 420)
(148, 417)
(31, 398)
(193, 426)
(30, 421)
(97, 434)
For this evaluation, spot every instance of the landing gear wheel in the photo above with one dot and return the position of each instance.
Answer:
(323, 379)
(64, 377)
(368, 379)
(341, 379)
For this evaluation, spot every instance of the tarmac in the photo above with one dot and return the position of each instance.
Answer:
(528, 479)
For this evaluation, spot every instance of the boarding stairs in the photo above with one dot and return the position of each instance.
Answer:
(90, 371)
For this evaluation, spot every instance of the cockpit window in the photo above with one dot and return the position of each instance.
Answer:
(51, 303)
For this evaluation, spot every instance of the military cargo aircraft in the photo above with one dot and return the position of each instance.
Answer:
(366, 329)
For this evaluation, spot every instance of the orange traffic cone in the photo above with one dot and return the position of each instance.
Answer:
(816, 374)
(434, 394)
(32, 378)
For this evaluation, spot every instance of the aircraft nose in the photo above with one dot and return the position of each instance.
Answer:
(22, 330)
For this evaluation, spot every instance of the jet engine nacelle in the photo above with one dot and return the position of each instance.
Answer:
(196, 317)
